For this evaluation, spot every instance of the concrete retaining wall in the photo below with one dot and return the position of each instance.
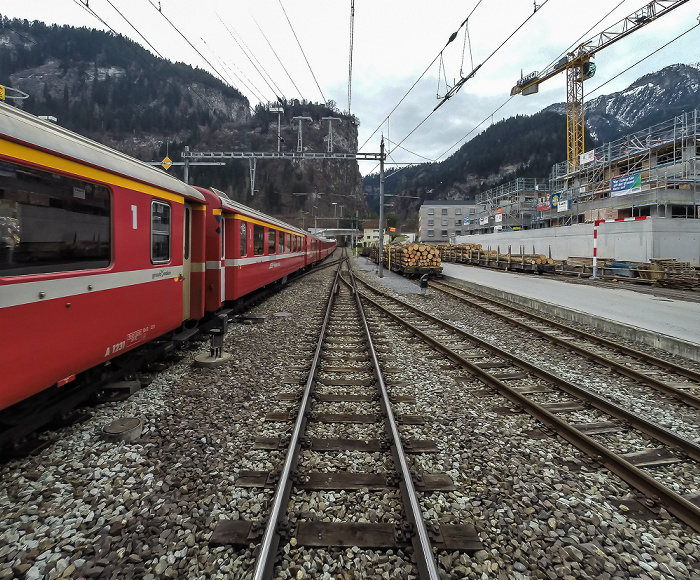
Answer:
(635, 241)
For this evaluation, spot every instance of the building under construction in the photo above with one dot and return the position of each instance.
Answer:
(653, 173)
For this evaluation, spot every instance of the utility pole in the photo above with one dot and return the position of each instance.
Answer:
(381, 207)
(186, 175)
(279, 111)
(300, 147)
(330, 131)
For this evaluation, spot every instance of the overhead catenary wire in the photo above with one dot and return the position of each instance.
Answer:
(490, 115)
(85, 6)
(284, 68)
(244, 51)
(158, 9)
(644, 58)
(302, 51)
(500, 46)
(461, 82)
(452, 37)
(249, 53)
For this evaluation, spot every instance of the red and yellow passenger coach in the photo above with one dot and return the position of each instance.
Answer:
(100, 253)
(96, 254)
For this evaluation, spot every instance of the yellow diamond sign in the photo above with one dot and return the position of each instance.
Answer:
(2, 93)
(166, 163)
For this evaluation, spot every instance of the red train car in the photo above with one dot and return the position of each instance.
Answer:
(95, 256)
(247, 250)
(100, 253)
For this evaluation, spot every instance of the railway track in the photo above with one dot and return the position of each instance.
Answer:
(345, 393)
(676, 381)
(559, 406)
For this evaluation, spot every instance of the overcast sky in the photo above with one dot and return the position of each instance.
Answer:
(395, 41)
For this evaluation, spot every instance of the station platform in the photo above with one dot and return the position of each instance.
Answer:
(670, 324)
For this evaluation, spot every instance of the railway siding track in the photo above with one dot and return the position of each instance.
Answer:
(345, 375)
(513, 378)
(680, 382)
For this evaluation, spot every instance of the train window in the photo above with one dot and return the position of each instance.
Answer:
(160, 232)
(258, 240)
(271, 239)
(52, 223)
(289, 243)
(244, 239)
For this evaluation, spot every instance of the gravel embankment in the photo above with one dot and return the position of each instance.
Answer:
(85, 508)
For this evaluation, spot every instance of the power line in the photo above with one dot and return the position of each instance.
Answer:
(452, 37)
(245, 52)
(302, 51)
(463, 80)
(278, 58)
(90, 11)
(153, 48)
(221, 77)
(643, 59)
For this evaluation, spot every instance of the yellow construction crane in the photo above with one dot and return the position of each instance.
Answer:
(578, 67)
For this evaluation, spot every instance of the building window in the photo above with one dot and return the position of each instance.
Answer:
(444, 233)
(444, 222)
(160, 232)
(79, 215)
(431, 211)
(458, 211)
(431, 222)
(444, 211)
(458, 222)
(431, 233)
(472, 211)
(458, 232)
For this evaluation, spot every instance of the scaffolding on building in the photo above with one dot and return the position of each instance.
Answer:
(653, 172)
(510, 206)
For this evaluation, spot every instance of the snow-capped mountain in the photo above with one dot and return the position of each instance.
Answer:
(651, 99)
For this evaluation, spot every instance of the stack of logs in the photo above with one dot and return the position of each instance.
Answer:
(408, 255)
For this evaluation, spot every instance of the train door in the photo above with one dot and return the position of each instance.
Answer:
(222, 269)
(186, 261)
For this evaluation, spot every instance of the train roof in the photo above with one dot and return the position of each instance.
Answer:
(26, 128)
(228, 203)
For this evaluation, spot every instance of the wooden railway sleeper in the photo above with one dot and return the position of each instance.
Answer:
(304, 442)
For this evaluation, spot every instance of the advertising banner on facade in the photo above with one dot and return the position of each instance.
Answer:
(563, 205)
(627, 184)
(587, 157)
(543, 203)
(484, 221)
(554, 200)
(499, 217)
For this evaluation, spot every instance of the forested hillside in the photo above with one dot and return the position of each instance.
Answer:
(111, 89)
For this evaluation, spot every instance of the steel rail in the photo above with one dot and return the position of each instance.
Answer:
(662, 434)
(687, 398)
(270, 542)
(423, 550)
(676, 504)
